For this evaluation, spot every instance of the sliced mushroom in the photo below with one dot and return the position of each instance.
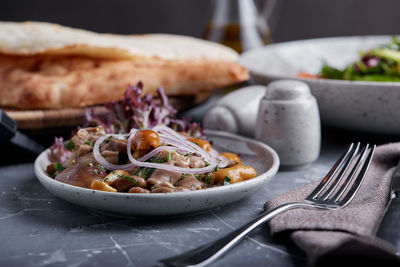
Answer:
(116, 144)
(110, 156)
(190, 182)
(159, 176)
(236, 174)
(124, 183)
(87, 134)
(196, 162)
(163, 184)
(162, 190)
(81, 175)
(140, 190)
(232, 158)
(179, 160)
(100, 185)
(181, 189)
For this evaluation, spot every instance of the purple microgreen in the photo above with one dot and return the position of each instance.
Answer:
(58, 152)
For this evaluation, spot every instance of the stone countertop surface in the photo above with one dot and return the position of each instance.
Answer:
(39, 229)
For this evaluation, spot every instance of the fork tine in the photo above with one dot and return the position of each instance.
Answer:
(340, 176)
(358, 181)
(349, 178)
(331, 173)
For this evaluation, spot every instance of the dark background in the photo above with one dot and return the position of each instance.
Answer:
(295, 19)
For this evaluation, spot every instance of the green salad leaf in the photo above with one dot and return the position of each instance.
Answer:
(380, 64)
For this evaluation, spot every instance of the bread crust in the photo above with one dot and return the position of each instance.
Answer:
(58, 81)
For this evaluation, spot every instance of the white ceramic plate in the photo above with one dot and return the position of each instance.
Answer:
(254, 153)
(356, 105)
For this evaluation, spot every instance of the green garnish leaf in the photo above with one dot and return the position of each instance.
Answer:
(216, 168)
(101, 167)
(157, 159)
(147, 172)
(131, 179)
(59, 167)
(90, 143)
(126, 177)
(227, 180)
(207, 164)
(208, 179)
(331, 73)
(197, 176)
(181, 178)
(70, 145)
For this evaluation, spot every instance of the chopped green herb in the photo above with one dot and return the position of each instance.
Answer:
(227, 180)
(181, 178)
(156, 159)
(197, 177)
(168, 157)
(59, 167)
(70, 145)
(207, 164)
(131, 179)
(90, 143)
(139, 172)
(126, 177)
(147, 172)
(101, 167)
(216, 168)
(208, 179)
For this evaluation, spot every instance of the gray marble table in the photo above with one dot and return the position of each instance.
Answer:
(38, 229)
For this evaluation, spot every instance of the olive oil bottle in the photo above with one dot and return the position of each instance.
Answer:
(237, 24)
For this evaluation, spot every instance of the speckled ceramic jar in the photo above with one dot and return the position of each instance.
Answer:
(288, 121)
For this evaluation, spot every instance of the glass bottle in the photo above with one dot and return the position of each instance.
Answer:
(237, 24)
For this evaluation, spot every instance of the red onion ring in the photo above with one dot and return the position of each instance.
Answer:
(223, 161)
(168, 136)
(158, 149)
(166, 167)
(101, 160)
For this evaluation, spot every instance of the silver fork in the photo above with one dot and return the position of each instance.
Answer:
(344, 180)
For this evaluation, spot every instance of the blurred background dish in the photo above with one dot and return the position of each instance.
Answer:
(355, 105)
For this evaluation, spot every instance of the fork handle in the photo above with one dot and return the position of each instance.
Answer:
(207, 253)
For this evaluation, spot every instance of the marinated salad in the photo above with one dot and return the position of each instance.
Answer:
(142, 148)
(381, 64)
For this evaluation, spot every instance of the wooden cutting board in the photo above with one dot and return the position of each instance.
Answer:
(42, 119)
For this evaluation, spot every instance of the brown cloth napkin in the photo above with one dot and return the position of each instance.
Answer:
(330, 237)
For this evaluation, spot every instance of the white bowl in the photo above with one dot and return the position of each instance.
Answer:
(254, 153)
(356, 105)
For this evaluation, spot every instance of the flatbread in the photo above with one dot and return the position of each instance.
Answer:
(49, 66)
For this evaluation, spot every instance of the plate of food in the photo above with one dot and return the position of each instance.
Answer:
(49, 73)
(143, 160)
(356, 80)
